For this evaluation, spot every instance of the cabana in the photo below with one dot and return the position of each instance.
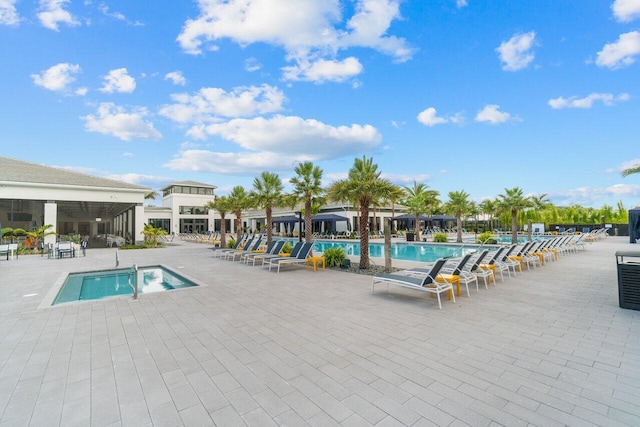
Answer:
(331, 220)
(289, 222)
(409, 220)
(634, 224)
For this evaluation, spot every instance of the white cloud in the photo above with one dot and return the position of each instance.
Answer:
(81, 91)
(429, 117)
(114, 120)
(252, 64)
(323, 70)
(461, 3)
(274, 144)
(176, 78)
(620, 53)
(515, 54)
(8, 13)
(117, 15)
(210, 103)
(626, 10)
(52, 13)
(289, 134)
(491, 114)
(607, 99)
(308, 30)
(139, 179)
(118, 81)
(58, 77)
(402, 179)
(587, 196)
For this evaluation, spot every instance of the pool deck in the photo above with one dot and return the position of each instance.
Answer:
(550, 347)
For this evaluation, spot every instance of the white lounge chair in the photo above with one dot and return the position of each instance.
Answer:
(428, 283)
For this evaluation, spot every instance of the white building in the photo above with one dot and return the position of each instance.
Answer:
(183, 208)
(33, 195)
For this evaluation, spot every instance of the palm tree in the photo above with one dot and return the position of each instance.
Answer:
(307, 187)
(419, 201)
(631, 170)
(513, 201)
(458, 204)
(363, 185)
(152, 233)
(395, 195)
(221, 204)
(267, 194)
(239, 200)
(40, 233)
(151, 196)
(489, 207)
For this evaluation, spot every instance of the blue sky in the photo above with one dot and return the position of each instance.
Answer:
(459, 94)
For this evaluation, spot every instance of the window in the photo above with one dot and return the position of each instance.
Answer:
(161, 223)
(193, 210)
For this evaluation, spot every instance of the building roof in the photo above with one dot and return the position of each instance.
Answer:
(21, 171)
(188, 184)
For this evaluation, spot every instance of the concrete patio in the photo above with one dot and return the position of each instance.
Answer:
(549, 347)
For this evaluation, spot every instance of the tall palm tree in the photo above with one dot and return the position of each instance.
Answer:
(458, 204)
(512, 201)
(239, 200)
(420, 200)
(222, 205)
(267, 194)
(307, 187)
(364, 184)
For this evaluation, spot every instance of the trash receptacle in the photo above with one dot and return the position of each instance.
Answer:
(628, 279)
(411, 237)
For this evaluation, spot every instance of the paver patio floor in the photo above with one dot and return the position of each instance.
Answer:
(549, 347)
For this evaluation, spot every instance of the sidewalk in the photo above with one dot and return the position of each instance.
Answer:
(549, 347)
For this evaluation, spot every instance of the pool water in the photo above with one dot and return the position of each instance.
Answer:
(422, 252)
(109, 283)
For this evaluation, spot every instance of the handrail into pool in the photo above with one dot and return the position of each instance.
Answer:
(133, 270)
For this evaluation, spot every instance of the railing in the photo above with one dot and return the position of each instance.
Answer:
(133, 271)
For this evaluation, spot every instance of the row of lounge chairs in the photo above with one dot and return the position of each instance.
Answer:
(446, 275)
(253, 250)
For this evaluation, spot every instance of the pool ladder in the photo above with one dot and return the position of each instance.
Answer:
(133, 271)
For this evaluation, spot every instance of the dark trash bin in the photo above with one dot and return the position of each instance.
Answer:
(628, 279)
(411, 237)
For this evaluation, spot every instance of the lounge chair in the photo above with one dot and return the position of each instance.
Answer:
(274, 250)
(472, 271)
(490, 265)
(294, 253)
(237, 247)
(449, 273)
(237, 255)
(217, 252)
(427, 283)
(301, 257)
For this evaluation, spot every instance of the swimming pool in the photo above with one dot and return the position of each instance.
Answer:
(94, 285)
(421, 252)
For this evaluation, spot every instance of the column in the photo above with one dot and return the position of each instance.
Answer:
(51, 217)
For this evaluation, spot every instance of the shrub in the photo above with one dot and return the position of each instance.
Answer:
(486, 238)
(440, 238)
(231, 243)
(286, 248)
(333, 256)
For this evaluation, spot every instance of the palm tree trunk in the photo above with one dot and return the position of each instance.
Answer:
(364, 236)
(459, 226)
(223, 231)
(307, 220)
(514, 227)
(418, 236)
(269, 224)
(238, 227)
